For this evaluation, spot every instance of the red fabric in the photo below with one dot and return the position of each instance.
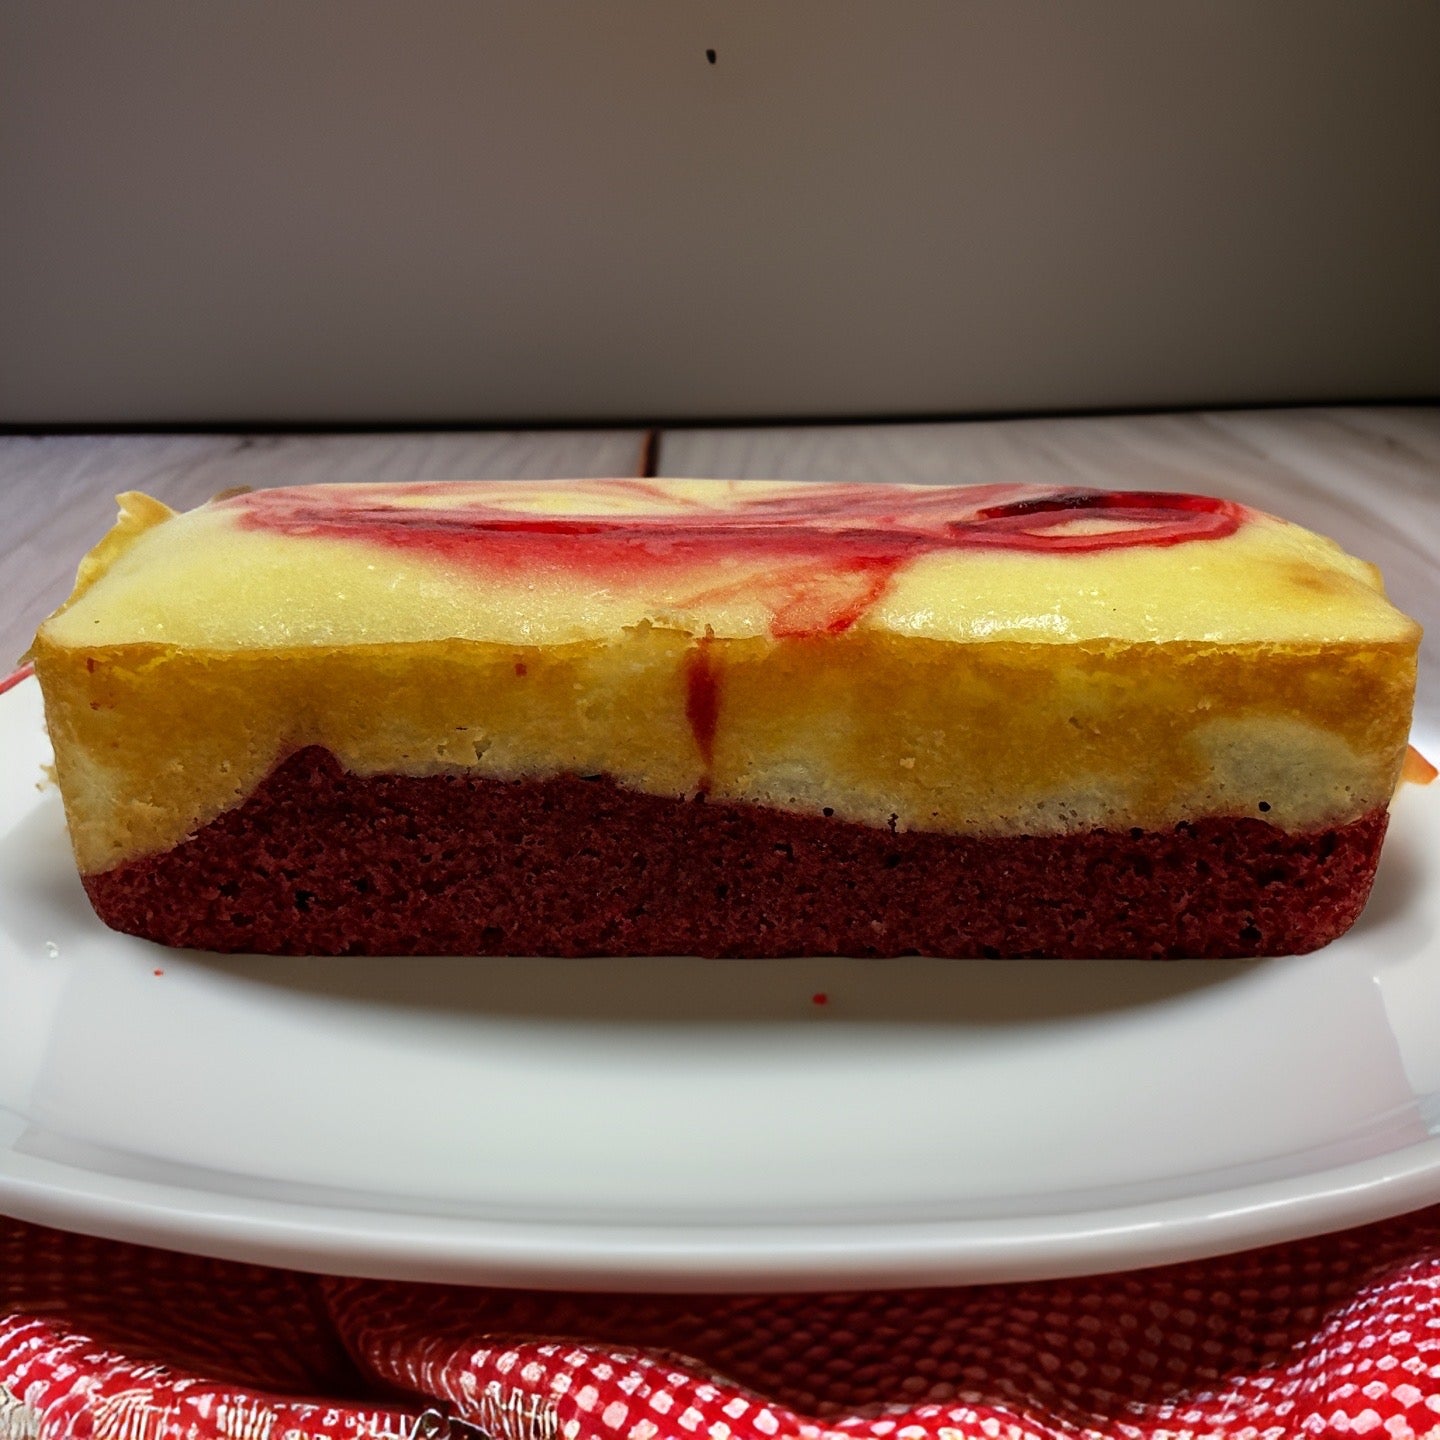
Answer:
(1334, 1336)
(15, 677)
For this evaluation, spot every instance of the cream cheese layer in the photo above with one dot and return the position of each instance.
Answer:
(994, 660)
(552, 564)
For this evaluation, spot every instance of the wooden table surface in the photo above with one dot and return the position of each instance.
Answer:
(1369, 476)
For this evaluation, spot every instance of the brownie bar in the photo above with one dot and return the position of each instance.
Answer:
(321, 861)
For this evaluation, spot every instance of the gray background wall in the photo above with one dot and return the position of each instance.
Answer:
(359, 210)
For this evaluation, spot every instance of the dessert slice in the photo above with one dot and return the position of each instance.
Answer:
(725, 718)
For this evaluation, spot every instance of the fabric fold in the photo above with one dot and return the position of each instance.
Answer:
(1338, 1335)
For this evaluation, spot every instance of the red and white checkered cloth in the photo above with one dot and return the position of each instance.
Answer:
(1334, 1336)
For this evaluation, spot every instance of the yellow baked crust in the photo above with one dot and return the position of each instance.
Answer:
(995, 693)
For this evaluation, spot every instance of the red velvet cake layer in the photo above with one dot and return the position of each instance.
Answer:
(319, 861)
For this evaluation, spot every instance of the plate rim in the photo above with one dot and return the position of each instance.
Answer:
(399, 1246)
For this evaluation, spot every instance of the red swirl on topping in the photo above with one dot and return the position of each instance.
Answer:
(817, 556)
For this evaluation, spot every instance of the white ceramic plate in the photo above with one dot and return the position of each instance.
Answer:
(668, 1124)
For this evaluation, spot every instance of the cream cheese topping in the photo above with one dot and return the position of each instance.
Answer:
(215, 578)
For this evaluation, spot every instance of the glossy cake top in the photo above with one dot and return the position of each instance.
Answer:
(554, 562)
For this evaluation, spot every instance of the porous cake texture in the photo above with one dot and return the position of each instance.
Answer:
(726, 718)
